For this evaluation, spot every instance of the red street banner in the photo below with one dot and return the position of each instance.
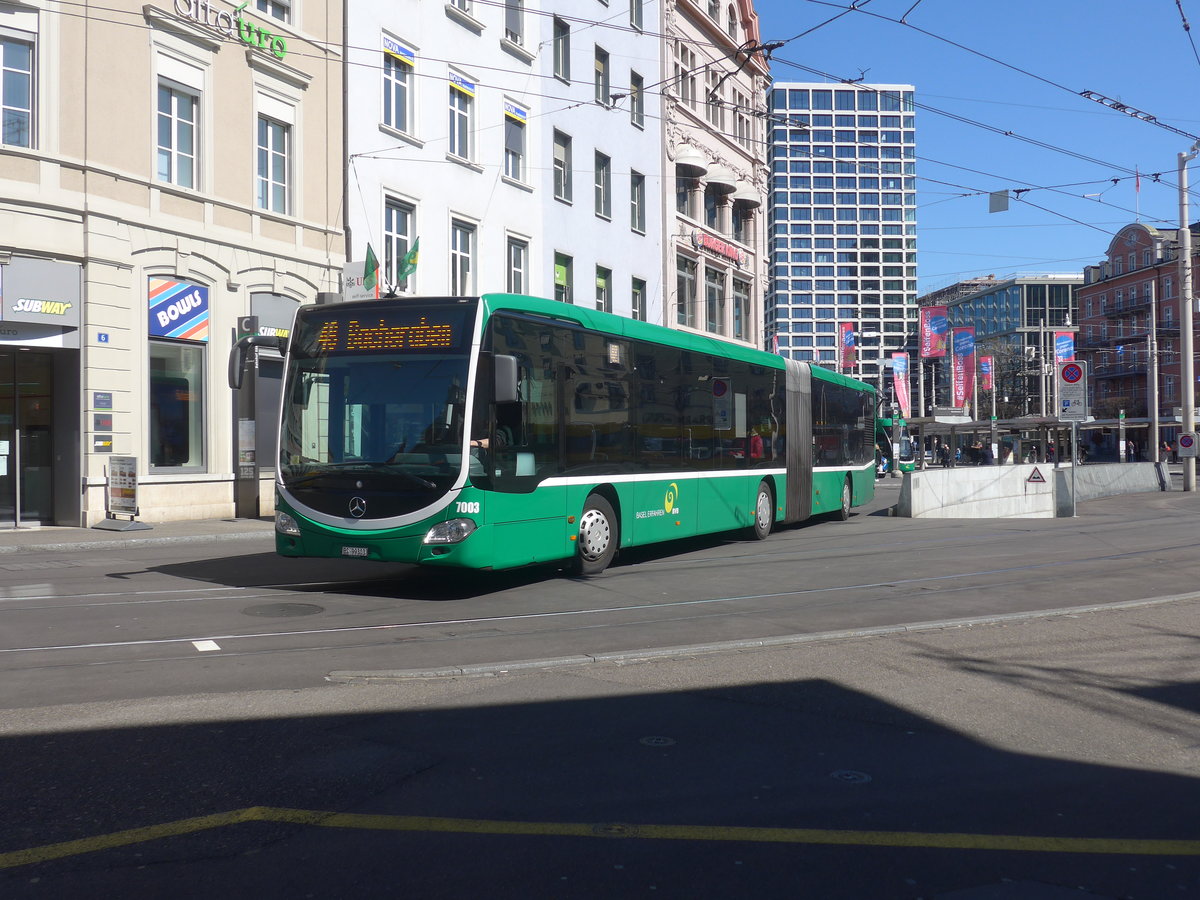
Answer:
(900, 383)
(986, 382)
(1064, 346)
(848, 348)
(934, 326)
(963, 364)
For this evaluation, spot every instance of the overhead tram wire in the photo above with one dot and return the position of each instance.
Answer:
(1188, 28)
(994, 129)
(1153, 120)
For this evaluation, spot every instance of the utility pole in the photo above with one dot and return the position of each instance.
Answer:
(1152, 385)
(1185, 314)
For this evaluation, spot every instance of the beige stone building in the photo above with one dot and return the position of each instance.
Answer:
(714, 110)
(165, 169)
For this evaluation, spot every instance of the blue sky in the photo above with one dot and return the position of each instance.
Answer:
(1042, 54)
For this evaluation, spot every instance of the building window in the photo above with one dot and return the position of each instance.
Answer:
(514, 142)
(517, 252)
(685, 74)
(562, 50)
(1168, 287)
(276, 9)
(602, 79)
(562, 167)
(685, 188)
(714, 300)
(739, 219)
(177, 139)
(732, 25)
(714, 105)
(711, 206)
(637, 202)
(397, 241)
(637, 100)
(462, 111)
(462, 258)
(274, 160)
(635, 14)
(685, 291)
(741, 309)
(397, 85)
(514, 21)
(176, 405)
(564, 277)
(462, 5)
(16, 91)
(604, 289)
(603, 186)
(637, 299)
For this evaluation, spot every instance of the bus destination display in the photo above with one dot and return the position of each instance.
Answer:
(415, 331)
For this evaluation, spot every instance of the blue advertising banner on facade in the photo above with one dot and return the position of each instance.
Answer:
(178, 309)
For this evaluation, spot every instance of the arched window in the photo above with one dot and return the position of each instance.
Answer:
(732, 27)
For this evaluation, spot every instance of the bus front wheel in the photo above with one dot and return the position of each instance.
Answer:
(764, 512)
(597, 536)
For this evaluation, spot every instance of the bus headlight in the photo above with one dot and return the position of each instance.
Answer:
(452, 532)
(285, 524)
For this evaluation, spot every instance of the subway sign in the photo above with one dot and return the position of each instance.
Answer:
(232, 25)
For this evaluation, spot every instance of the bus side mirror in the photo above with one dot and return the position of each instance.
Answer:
(240, 350)
(506, 375)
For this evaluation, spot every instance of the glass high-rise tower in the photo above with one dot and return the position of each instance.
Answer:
(843, 222)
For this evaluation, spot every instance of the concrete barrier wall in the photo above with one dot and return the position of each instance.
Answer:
(1094, 482)
(978, 492)
(1007, 492)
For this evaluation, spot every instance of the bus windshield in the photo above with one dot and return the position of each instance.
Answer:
(374, 404)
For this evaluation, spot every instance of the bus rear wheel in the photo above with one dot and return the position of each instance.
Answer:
(598, 533)
(764, 512)
(847, 499)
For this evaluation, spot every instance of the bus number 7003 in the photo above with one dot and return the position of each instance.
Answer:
(466, 507)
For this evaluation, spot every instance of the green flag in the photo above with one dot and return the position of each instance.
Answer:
(371, 271)
(409, 264)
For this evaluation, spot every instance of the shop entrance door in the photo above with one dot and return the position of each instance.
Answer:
(26, 438)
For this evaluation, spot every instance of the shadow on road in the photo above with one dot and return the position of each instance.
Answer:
(796, 788)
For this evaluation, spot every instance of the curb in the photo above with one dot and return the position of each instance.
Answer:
(59, 546)
(398, 676)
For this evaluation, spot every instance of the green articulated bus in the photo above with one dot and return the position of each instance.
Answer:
(503, 430)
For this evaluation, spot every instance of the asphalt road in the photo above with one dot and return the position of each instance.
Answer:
(872, 708)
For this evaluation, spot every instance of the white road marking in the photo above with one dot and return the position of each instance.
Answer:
(206, 646)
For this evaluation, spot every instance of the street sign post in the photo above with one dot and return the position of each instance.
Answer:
(1072, 391)
(1073, 408)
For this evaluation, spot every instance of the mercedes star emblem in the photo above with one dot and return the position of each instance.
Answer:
(358, 507)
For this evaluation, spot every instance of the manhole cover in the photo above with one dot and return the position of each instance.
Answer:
(283, 610)
(657, 741)
(850, 776)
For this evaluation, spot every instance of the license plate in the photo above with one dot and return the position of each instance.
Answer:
(354, 551)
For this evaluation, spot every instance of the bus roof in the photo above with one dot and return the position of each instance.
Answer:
(646, 331)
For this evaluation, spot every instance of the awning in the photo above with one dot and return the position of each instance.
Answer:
(689, 162)
(721, 180)
(747, 196)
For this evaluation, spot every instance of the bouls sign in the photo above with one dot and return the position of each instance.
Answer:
(233, 25)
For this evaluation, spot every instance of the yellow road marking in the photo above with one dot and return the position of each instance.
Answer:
(924, 840)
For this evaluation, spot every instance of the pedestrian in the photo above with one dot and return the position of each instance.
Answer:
(944, 455)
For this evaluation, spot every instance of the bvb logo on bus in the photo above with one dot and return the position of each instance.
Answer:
(669, 498)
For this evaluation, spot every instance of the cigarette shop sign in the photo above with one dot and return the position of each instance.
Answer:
(232, 25)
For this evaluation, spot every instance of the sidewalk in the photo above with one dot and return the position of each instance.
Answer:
(55, 537)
